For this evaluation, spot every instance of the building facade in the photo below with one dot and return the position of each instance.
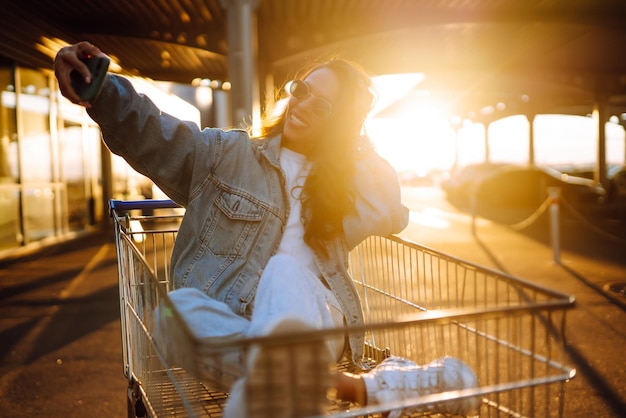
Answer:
(56, 176)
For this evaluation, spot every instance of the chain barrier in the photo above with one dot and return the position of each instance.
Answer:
(590, 225)
(553, 201)
(533, 217)
(577, 215)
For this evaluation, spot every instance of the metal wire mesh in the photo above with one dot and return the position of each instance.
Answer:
(418, 303)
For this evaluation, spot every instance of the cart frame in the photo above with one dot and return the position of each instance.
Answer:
(419, 303)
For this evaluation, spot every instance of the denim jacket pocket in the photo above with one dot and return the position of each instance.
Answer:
(232, 221)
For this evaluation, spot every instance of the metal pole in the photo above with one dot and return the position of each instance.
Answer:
(531, 138)
(554, 194)
(600, 117)
(241, 32)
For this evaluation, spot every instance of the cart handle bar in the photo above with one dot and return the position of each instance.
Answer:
(124, 205)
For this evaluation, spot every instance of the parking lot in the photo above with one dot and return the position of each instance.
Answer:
(61, 349)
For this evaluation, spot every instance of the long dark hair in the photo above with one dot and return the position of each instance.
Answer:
(327, 195)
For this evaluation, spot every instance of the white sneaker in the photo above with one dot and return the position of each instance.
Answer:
(397, 379)
(288, 380)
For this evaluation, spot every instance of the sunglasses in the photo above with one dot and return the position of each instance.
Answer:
(300, 90)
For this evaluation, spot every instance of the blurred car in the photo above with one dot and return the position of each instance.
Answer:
(528, 186)
(521, 186)
(616, 189)
(460, 186)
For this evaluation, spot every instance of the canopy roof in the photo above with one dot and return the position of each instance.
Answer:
(543, 56)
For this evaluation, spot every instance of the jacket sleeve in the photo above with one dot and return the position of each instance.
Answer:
(175, 154)
(379, 209)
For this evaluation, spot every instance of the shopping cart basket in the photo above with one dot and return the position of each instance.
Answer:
(418, 303)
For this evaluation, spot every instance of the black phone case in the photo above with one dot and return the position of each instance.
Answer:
(98, 67)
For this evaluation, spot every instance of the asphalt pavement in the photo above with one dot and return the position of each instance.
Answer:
(60, 332)
(59, 311)
(590, 264)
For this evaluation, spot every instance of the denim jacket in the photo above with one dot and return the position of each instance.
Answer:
(236, 202)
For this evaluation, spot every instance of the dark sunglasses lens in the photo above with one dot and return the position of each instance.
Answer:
(299, 89)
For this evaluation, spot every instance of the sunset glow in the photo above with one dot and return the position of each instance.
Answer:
(420, 138)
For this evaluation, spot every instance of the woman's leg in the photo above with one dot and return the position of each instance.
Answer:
(351, 388)
(286, 292)
(208, 321)
(396, 379)
(290, 378)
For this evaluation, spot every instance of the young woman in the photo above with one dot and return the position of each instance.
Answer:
(269, 222)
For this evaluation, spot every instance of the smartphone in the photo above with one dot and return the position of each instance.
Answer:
(98, 67)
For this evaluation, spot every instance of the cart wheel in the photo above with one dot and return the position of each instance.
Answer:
(136, 409)
(135, 406)
(140, 409)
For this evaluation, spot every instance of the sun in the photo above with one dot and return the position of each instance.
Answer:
(409, 129)
(416, 133)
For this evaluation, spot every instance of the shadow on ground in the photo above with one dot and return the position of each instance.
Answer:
(598, 232)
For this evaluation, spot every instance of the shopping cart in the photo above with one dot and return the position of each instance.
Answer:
(418, 303)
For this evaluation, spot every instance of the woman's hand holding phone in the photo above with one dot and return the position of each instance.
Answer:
(98, 67)
(80, 70)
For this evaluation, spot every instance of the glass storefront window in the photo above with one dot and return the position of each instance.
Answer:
(39, 207)
(34, 115)
(54, 171)
(10, 234)
(71, 151)
(79, 149)
(93, 161)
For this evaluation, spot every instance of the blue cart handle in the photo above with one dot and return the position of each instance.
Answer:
(125, 205)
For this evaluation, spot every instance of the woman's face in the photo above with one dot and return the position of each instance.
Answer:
(306, 115)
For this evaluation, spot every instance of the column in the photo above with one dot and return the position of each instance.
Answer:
(242, 54)
(600, 116)
(531, 138)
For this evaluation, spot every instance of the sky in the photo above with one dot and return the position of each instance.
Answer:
(422, 139)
